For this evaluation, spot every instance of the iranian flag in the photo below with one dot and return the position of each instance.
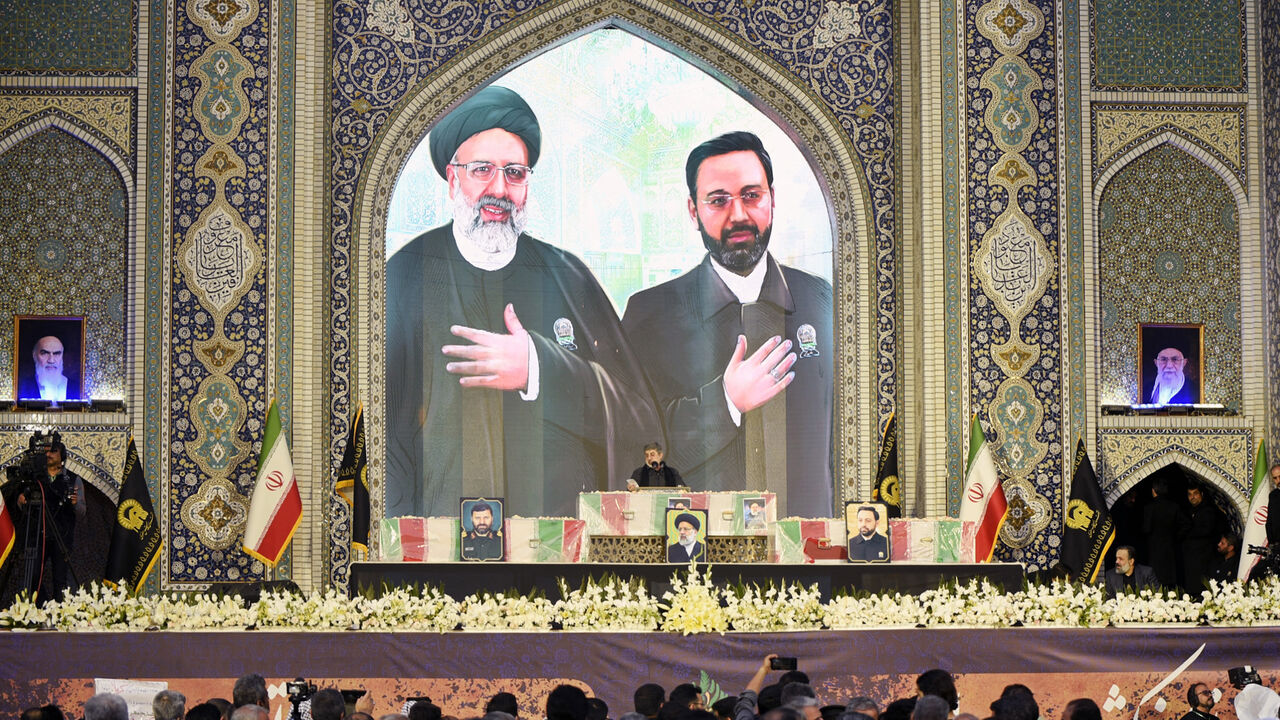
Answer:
(275, 511)
(7, 532)
(1255, 526)
(983, 501)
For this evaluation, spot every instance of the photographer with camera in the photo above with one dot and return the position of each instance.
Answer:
(50, 499)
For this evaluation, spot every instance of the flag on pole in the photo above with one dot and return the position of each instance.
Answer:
(275, 510)
(888, 490)
(983, 501)
(1255, 525)
(7, 532)
(1087, 530)
(353, 482)
(135, 534)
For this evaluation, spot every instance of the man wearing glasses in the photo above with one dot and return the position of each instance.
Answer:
(508, 374)
(744, 373)
(1200, 698)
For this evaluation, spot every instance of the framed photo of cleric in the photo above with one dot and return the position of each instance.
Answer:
(1170, 358)
(686, 535)
(48, 358)
(867, 528)
(481, 521)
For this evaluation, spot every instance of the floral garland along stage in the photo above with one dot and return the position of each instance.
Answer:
(693, 605)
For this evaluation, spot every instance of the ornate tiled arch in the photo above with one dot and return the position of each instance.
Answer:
(1219, 456)
(819, 134)
(79, 132)
(1185, 144)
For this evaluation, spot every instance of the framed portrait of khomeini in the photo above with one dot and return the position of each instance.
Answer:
(867, 530)
(48, 358)
(1170, 358)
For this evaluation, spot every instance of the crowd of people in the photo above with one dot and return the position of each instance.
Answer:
(791, 697)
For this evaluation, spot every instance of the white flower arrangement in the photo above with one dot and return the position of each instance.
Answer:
(1152, 606)
(402, 609)
(897, 610)
(693, 605)
(607, 605)
(24, 613)
(488, 611)
(789, 607)
(329, 610)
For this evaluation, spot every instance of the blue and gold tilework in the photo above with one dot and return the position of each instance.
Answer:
(1169, 252)
(1177, 45)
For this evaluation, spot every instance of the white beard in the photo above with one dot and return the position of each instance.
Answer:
(1160, 393)
(52, 383)
(488, 238)
(688, 542)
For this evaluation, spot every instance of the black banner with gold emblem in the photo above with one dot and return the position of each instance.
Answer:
(135, 535)
(1087, 530)
(353, 482)
(887, 489)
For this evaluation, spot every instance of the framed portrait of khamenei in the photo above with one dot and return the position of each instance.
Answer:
(1170, 360)
(48, 358)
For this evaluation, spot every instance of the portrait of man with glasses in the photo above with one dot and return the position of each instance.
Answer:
(739, 350)
(508, 373)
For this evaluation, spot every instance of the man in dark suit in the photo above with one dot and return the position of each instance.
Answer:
(687, 547)
(1128, 575)
(1160, 527)
(508, 374)
(742, 367)
(655, 472)
(868, 545)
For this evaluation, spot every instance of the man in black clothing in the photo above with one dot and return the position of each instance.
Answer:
(1226, 565)
(508, 374)
(654, 472)
(1160, 526)
(483, 541)
(1200, 528)
(1273, 510)
(1128, 575)
(1200, 698)
(745, 379)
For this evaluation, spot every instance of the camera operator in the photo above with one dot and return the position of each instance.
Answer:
(63, 495)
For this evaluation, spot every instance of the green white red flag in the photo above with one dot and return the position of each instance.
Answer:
(275, 510)
(983, 500)
(1255, 524)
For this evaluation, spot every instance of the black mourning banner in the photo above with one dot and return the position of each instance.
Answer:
(1087, 530)
(135, 535)
(353, 482)
(888, 490)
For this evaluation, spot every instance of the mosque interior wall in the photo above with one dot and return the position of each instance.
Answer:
(1057, 133)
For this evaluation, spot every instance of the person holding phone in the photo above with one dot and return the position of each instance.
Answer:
(746, 707)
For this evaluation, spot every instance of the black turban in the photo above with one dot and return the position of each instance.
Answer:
(492, 107)
(689, 518)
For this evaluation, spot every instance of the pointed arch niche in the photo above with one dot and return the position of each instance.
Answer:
(822, 141)
(1169, 252)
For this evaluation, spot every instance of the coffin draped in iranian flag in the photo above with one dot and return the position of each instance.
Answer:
(932, 540)
(543, 540)
(810, 540)
(416, 539)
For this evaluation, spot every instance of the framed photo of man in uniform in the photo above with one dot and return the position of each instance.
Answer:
(686, 535)
(48, 358)
(867, 527)
(1170, 357)
(481, 520)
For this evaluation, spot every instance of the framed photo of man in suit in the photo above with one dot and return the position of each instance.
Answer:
(48, 358)
(481, 520)
(1170, 358)
(686, 535)
(867, 527)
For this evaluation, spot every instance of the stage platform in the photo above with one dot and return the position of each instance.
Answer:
(461, 670)
(460, 579)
